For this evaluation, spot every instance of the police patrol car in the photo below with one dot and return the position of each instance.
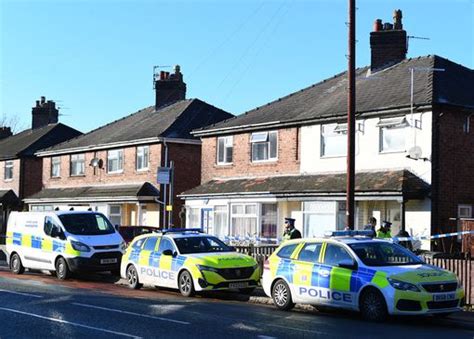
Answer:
(188, 260)
(375, 277)
(63, 242)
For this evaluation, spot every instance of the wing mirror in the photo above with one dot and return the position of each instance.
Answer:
(168, 252)
(349, 264)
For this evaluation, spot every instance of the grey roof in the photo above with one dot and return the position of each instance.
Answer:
(136, 190)
(396, 182)
(383, 90)
(173, 121)
(31, 140)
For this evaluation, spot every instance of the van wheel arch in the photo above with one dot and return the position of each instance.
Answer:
(66, 272)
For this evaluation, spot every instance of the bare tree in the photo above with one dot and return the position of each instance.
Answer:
(13, 122)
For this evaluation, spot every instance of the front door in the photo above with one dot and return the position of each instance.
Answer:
(207, 222)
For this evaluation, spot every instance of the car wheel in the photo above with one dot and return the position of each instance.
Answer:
(62, 270)
(15, 264)
(248, 290)
(372, 305)
(186, 286)
(132, 278)
(281, 296)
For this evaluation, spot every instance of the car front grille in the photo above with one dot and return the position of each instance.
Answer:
(436, 305)
(106, 247)
(408, 305)
(236, 273)
(106, 255)
(437, 288)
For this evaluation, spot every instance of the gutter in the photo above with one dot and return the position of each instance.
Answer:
(117, 144)
(88, 199)
(288, 195)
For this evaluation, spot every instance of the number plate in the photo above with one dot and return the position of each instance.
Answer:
(239, 285)
(108, 261)
(444, 297)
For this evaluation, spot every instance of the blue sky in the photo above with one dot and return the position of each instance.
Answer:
(95, 58)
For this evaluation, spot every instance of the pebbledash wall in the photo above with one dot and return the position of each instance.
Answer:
(288, 158)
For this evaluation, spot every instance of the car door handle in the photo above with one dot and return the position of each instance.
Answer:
(324, 273)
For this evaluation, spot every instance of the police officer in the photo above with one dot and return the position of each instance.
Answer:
(384, 231)
(290, 231)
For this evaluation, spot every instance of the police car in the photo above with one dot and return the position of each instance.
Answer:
(375, 277)
(187, 260)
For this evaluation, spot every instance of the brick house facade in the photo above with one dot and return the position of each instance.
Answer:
(113, 169)
(413, 161)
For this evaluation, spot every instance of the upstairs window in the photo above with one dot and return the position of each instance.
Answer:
(115, 161)
(142, 157)
(224, 150)
(334, 140)
(55, 167)
(77, 164)
(392, 134)
(264, 146)
(8, 173)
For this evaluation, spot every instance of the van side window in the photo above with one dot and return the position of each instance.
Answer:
(48, 225)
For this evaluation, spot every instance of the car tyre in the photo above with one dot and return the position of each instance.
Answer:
(372, 305)
(15, 264)
(132, 278)
(186, 285)
(62, 269)
(281, 296)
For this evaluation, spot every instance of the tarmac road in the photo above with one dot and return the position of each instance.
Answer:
(37, 306)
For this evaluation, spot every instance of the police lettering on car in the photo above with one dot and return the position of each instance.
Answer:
(350, 270)
(188, 260)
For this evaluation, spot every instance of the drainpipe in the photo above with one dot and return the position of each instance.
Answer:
(164, 185)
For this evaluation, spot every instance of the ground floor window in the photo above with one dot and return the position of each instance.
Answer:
(318, 218)
(115, 214)
(220, 221)
(193, 218)
(269, 220)
(244, 220)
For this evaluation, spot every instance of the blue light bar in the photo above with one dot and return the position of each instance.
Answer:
(351, 233)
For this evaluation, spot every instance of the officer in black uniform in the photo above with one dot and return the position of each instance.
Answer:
(290, 231)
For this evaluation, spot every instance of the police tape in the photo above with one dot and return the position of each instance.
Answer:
(431, 237)
(278, 240)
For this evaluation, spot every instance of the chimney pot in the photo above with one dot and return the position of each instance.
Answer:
(162, 75)
(43, 100)
(378, 25)
(387, 26)
(397, 19)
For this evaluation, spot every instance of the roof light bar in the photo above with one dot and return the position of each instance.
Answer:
(181, 230)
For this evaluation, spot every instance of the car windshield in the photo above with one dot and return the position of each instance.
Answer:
(201, 244)
(384, 254)
(86, 224)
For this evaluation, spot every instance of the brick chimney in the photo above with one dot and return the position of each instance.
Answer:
(388, 42)
(169, 88)
(5, 132)
(44, 113)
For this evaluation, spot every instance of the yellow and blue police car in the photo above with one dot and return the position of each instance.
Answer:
(375, 277)
(188, 260)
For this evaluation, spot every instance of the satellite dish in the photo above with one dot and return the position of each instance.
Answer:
(415, 152)
(96, 162)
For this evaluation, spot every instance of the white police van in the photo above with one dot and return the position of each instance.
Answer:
(63, 242)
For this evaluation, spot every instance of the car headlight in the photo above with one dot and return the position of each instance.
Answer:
(403, 286)
(207, 268)
(79, 246)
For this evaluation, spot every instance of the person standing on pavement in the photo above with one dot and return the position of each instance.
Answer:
(371, 226)
(290, 231)
(384, 231)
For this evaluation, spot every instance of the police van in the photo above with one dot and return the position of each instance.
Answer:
(63, 242)
(375, 277)
(188, 260)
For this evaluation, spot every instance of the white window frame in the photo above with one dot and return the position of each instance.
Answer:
(333, 131)
(53, 165)
(259, 138)
(115, 155)
(112, 215)
(145, 153)
(8, 168)
(78, 158)
(464, 206)
(228, 142)
(245, 215)
(223, 212)
(394, 124)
